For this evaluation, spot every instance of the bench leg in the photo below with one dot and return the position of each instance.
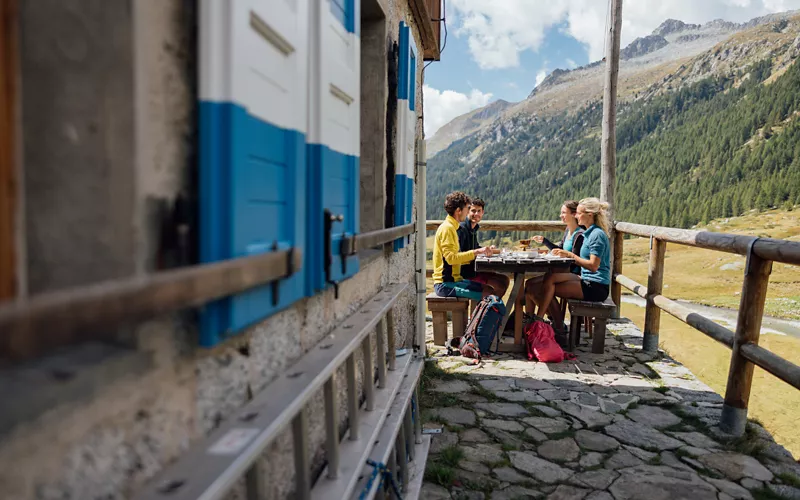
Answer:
(439, 327)
(599, 340)
(574, 334)
(459, 322)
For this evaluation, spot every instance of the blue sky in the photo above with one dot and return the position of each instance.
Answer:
(460, 72)
(501, 49)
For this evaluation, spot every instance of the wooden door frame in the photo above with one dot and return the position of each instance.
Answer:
(9, 73)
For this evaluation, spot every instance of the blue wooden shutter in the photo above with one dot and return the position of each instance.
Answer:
(344, 12)
(334, 138)
(411, 132)
(406, 130)
(253, 101)
(401, 175)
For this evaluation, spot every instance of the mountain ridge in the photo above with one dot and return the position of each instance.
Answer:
(646, 60)
(704, 136)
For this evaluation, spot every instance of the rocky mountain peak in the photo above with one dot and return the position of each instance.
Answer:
(642, 46)
(673, 26)
(549, 81)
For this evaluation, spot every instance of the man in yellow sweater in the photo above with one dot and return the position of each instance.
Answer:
(447, 259)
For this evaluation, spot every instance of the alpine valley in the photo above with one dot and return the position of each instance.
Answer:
(707, 126)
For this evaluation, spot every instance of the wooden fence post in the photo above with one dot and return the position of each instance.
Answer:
(616, 288)
(748, 328)
(655, 285)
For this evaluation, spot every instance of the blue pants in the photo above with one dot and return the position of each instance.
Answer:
(464, 288)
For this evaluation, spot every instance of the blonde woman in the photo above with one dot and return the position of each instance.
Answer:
(594, 259)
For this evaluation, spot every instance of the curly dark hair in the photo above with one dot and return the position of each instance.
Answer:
(477, 202)
(454, 201)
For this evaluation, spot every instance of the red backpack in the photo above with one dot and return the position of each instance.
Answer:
(542, 345)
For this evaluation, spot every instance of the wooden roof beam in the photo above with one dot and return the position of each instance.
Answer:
(424, 11)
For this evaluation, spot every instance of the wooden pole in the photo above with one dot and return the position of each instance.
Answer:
(655, 284)
(608, 144)
(748, 328)
(609, 141)
(616, 270)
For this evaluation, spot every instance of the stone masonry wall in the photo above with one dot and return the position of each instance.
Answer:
(125, 428)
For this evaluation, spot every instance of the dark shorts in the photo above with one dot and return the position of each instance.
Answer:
(464, 288)
(594, 291)
(483, 278)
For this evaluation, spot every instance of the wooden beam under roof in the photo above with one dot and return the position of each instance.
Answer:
(424, 11)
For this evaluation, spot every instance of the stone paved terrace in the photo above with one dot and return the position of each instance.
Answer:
(620, 425)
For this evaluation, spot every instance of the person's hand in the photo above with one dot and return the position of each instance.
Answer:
(558, 252)
(483, 251)
(538, 239)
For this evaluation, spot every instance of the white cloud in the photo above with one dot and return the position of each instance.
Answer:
(498, 31)
(442, 106)
(571, 64)
(540, 76)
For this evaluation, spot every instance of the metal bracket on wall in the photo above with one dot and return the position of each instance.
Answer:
(276, 290)
(276, 297)
(328, 221)
(344, 252)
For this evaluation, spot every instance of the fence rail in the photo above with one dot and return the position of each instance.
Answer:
(760, 253)
(35, 326)
(771, 249)
(509, 225)
(745, 352)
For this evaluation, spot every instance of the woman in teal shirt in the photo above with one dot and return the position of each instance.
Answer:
(595, 279)
(571, 241)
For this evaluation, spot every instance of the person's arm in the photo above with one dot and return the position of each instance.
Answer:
(549, 244)
(593, 262)
(464, 242)
(577, 243)
(451, 250)
(544, 241)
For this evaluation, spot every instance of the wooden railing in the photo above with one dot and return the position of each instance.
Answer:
(35, 326)
(509, 225)
(746, 353)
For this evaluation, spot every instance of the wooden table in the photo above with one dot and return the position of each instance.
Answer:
(518, 264)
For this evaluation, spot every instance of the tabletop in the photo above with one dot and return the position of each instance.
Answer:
(520, 262)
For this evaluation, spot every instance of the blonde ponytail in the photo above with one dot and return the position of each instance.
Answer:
(600, 211)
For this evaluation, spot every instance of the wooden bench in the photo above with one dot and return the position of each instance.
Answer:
(439, 307)
(600, 312)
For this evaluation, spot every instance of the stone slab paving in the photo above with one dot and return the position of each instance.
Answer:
(625, 424)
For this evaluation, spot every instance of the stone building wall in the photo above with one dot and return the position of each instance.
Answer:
(98, 420)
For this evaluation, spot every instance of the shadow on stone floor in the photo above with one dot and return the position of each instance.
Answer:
(624, 424)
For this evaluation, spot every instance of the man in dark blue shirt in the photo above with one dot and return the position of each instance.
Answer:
(468, 240)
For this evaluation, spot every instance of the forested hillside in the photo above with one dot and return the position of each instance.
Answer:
(714, 148)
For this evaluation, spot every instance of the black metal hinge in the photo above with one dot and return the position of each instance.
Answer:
(328, 220)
